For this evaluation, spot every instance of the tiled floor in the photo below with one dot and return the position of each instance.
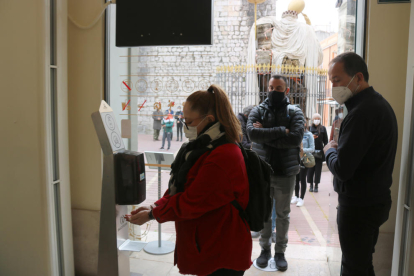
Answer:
(312, 229)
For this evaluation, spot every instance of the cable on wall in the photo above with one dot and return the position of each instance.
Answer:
(94, 21)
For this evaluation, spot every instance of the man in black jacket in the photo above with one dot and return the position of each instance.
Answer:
(276, 130)
(362, 162)
(179, 115)
(246, 143)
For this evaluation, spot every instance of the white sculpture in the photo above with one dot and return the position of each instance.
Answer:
(289, 39)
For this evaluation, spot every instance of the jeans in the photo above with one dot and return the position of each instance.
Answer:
(227, 272)
(281, 189)
(317, 171)
(179, 131)
(358, 228)
(301, 178)
(156, 134)
(166, 135)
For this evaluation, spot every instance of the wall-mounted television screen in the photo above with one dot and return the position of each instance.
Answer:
(164, 22)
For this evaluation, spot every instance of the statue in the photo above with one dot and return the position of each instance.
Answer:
(285, 42)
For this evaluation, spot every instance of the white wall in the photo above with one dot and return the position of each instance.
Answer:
(24, 229)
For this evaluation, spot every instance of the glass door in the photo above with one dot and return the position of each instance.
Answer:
(351, 38)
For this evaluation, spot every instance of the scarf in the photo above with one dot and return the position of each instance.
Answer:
(189, 154)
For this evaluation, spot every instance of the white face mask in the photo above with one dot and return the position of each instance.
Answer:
(341, 115)
(190, 132)
(316, 122)
(341, 93)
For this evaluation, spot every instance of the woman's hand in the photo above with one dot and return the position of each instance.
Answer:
(139, 218)
(142, 208)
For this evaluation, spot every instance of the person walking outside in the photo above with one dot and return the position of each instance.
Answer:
(180, 122)
(321, 140)
(362, 162)
(308, 146)
(167, 124)
(157, 117)
(212, 238)
(276, 129)
(336, 125)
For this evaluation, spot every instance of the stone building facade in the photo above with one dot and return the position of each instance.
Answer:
(170, 74)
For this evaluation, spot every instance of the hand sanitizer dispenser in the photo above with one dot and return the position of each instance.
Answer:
(123, 183)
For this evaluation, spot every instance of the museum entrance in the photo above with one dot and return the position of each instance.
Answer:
(146, 85)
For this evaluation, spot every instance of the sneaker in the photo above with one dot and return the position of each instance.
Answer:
(281, 263)
(264, 258)
(316, 188)
(161, 147)
(255, 234)
(300, 202)
(294, 200)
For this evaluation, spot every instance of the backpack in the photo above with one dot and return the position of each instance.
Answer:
(260, 203)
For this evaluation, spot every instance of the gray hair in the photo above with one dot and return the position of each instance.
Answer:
(247, 110)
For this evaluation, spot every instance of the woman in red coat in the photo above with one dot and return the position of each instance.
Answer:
(212, 238)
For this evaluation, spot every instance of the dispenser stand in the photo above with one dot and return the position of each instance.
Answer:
(159, 247)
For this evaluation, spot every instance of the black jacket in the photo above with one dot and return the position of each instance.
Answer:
(364, 161)
(271, 142)
(246, 143)
(181, 120)
(322, 139)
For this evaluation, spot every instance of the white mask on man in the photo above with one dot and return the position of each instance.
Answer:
(316, 122)
(341, 93)
(341, 115)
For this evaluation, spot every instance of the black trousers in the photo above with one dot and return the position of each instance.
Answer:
(301, 177)
(227, 272)
(179, 131)
(358, 228)
(315, 171)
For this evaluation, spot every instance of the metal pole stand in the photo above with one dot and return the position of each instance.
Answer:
(159, 247)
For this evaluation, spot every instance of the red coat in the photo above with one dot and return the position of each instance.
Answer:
(210, 232)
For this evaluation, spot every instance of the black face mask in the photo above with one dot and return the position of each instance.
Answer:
(276, 97)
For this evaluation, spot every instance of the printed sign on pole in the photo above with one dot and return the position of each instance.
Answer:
(111, 128)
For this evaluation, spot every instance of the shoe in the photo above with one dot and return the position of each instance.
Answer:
(168, 148)
(316, 188)
(264, 258)
(311, 188)
(300, 202)
(281, 263)
(274, 237)
(255, 234)
(294, 200)
(161, 147)
(177, 140)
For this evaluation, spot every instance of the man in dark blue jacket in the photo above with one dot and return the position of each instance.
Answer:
(362, 162)
(276, 129)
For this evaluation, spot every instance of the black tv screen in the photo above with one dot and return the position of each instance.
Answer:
(164, 22)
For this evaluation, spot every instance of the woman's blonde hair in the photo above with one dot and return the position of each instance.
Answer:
(214, 101)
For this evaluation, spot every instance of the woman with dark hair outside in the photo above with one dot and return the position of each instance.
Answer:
(308, 146)
(208, 173)
(321, 140)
